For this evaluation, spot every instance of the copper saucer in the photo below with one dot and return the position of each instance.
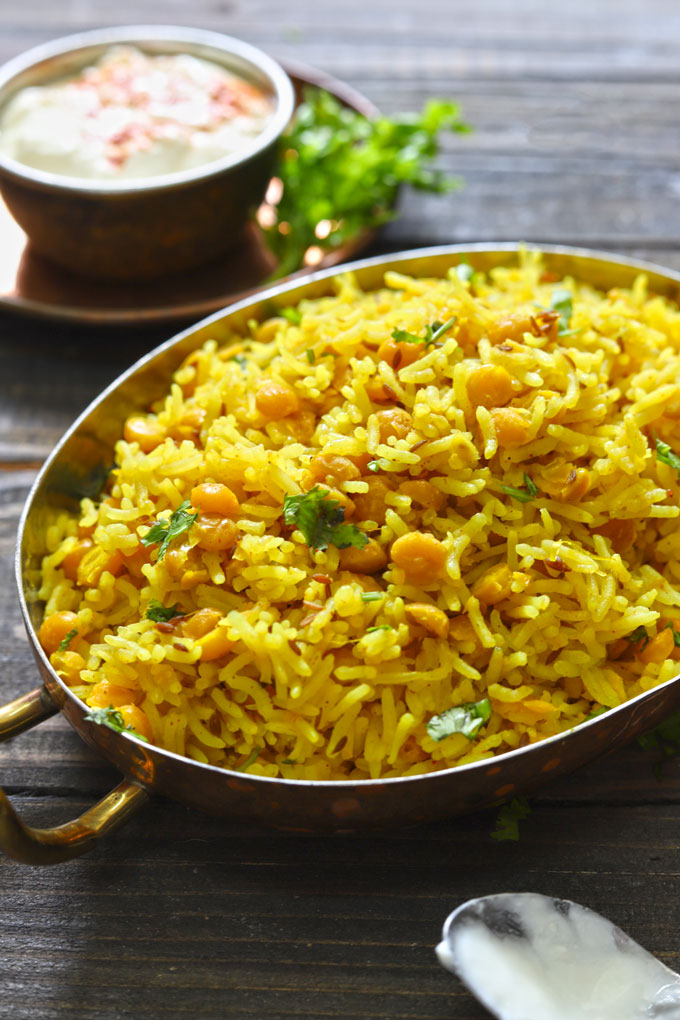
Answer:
(31, 285)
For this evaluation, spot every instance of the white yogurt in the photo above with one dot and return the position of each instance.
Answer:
(134, 116)
(566, 965)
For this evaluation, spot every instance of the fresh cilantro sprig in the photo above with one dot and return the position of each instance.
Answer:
(508, 819)
(159, 613)
(164, 531)
(321, 520)
(342, 170)
(528, 492)
(466, 719)
(433, 332)
(563, 302)
(67, 639)
(666, 455)
(112, 718)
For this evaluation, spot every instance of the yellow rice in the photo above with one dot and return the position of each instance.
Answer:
(308, 690)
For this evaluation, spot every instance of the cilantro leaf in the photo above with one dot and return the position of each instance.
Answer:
(600, 710)
(292, 315)
(343, 171)
(310, 355)
(509, 817)
(320, 519)
(639, 634)
(433, 332)
(112, 718)
(562, 302)
(666, 455)
(67, 639)
(466, 719)
(159, 613)
(240, 360)
(165, 530)
(381, 626)
(675, 633)
(527, 493)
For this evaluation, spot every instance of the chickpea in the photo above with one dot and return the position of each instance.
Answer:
(72, 559)
(621, 533)
(369, 560)
(214, 645)
(104, 694)
(659, 648)
(434, 620)
(136, 719)
(400, 353)
(565, 482)
(147, 432)
(215, 533)
(420, 555)
(510, 326)
(276, 399)
(215, 498)
(379, 392)
(393, 421)
(511, 426)
(327, 467)
(494, 585)
(371, 506)
(54, 629)
(136, 560)
(189, 425)
(423, 493)
(68, 665)
(490, 386)
(201, 622)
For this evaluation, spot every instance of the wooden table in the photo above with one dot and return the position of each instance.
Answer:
(576, 140)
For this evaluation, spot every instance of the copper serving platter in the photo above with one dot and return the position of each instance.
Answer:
(74, 470)
(32, 285)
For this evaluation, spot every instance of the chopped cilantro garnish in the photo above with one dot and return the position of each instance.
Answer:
(159, 613)
(372, 596)
(310, 355)
(373, 465)
(639, 634)
(240, 359)
(112, 718)
(339, 169)
(67, 639)
(528, 492)
(675, 633)
(321, 520)
(509, 817)
(666, 455)
(600, 710)
(562, 302)
(165, 530)
(251, 758)
(466, 719)
(382, 626)
(293, 315)
(433, 332)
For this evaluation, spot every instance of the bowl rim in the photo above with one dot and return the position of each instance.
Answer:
(141, 35)
(264, 294)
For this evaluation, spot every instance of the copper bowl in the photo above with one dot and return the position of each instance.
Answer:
(155, 225)
(75, 470)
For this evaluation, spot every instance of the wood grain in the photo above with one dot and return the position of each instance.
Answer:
(575, 115)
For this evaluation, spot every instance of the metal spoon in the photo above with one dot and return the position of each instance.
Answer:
(531, 957)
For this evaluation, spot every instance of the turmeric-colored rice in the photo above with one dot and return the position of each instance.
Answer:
(544, 603)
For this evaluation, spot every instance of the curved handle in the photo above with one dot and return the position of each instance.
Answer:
(63, 842)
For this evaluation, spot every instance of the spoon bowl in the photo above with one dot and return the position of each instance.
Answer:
(530, 957)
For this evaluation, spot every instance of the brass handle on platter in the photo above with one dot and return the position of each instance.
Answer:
(63, 842)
